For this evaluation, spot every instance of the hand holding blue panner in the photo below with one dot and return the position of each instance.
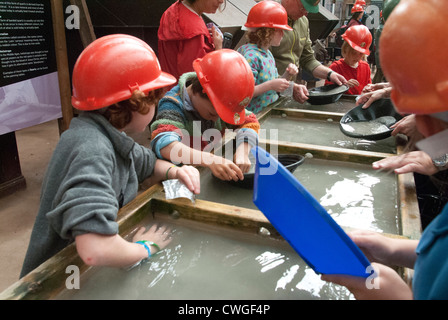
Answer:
(303, 222)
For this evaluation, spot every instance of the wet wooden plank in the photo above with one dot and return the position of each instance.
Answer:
(322, 152)
(307, 114)
(408, 204)
(213, 213)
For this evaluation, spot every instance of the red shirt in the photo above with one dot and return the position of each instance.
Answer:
(361, 73)
(183, 37)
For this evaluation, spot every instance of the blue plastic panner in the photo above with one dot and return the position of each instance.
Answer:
(303, 222)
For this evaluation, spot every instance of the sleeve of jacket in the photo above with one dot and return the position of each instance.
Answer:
(168, 126)
(249, 130)
(307, 60)
(86, 200)
(251, 122)
(144, 161)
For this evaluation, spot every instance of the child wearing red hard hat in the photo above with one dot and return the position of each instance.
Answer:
(194, 115)
(352, 66)
(266, 22)
(96, 167)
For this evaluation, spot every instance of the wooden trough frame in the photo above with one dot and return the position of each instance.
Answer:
(49, 279)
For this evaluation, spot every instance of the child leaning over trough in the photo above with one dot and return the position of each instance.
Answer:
(194, 115)
(352, 66)
(96, 167)
(266, 22)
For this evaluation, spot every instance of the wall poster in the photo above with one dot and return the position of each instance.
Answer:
(29, 87)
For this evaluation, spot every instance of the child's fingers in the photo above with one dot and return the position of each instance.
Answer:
(140, 231)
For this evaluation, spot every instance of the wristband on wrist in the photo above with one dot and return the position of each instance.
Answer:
(146, 244)
(328, 75)
(167, 171)
(153, 244)
(146, 247)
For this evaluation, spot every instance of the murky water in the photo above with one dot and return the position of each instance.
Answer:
(204, 262)
(323, 133)
(354, 195)
(363, 128)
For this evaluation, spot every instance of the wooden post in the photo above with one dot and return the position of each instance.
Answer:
(86, 30)
(62, 64)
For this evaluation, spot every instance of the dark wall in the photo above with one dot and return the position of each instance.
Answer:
(139, 18)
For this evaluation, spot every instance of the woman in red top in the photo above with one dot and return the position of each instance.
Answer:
(357, 40)
(184, 37)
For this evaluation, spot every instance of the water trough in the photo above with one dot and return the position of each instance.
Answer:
(228, 209)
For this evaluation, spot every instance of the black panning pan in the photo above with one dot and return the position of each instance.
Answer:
(290, 161)
(326, 94)
(372, 123)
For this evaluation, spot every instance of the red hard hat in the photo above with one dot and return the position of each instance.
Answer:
(111, 68)
(357, 8)
(359, 38)
(419, 75)
(228, 81)
(268, 14)
(360, 2)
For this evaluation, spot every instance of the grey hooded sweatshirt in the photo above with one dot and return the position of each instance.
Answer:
(94, 170)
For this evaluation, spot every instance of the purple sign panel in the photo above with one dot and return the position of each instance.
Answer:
(29, 88)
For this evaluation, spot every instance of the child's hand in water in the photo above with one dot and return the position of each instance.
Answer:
(159, 235)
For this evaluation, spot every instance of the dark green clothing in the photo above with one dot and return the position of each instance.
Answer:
(295, 48)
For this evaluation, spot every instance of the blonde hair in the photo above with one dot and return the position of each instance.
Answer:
(120, 113)
(347, 50)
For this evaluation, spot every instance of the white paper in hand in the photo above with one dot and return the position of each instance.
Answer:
(176, 189)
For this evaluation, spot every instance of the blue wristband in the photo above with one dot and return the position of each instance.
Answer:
(146, 247)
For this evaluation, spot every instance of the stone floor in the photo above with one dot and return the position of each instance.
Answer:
(18, 211)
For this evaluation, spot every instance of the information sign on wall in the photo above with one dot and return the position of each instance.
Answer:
(29, 87)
